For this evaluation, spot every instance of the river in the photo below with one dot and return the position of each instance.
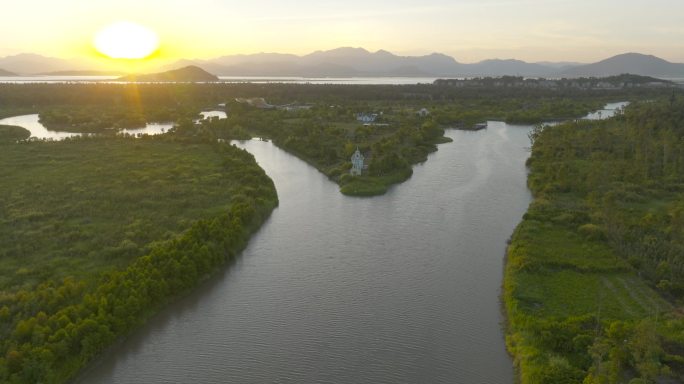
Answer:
(400, 288)
(39, 131)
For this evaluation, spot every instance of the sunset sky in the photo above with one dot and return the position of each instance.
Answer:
(468, 30)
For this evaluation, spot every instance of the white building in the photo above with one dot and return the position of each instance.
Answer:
(357, 163)
(423, 112)
(366, 118)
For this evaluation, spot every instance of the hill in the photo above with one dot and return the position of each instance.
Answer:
(6, 73)
(186, 74)
(634, 63)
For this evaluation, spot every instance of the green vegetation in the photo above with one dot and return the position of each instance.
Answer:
(324, 130)
(96, 234)
(326, 138)
(13, 133)
(326, 135)
(93, 119)
(596, 268)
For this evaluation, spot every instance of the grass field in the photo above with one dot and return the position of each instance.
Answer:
(567, 293)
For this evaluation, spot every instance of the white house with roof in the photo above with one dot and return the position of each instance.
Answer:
(423, 112)
(357, 163)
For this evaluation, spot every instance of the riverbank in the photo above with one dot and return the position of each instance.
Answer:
(91, 249)
(596, 256)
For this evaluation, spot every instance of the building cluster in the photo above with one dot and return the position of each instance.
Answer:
(583, 83)
(261, 103)
(367, 118)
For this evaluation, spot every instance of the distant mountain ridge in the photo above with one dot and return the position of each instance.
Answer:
(30, 63)
(358, 62)
(633, 63)
(348, 62)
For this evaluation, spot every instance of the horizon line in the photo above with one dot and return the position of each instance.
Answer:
(210, 58)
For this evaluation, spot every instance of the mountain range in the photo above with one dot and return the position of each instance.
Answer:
(358, 62)
(349, 62)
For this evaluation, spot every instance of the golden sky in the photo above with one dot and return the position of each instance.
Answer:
(468, 30)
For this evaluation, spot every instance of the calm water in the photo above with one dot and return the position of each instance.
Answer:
(607, 111)
(231, 79)
(54, 79)
(32, 123)
(402, 288)
(330, 80)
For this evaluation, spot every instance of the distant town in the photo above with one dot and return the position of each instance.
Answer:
(584, 83)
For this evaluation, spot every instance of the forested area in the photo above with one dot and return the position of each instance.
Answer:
(326, 138)
(326, 132)
(98, 233)
(11, 133)
(594, 281)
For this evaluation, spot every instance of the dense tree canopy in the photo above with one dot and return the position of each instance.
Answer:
(596, 268)
(97, 233)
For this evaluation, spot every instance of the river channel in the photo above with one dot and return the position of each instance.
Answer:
(400, 288)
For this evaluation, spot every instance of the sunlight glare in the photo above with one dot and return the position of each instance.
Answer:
(126, 40)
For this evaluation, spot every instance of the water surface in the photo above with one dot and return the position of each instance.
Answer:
(39, 131)
(402, 288)
(230, 79)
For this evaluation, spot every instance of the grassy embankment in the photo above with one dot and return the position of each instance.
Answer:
(595, 271)
(97, 234)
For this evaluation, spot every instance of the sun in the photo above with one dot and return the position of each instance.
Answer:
(126, 40)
